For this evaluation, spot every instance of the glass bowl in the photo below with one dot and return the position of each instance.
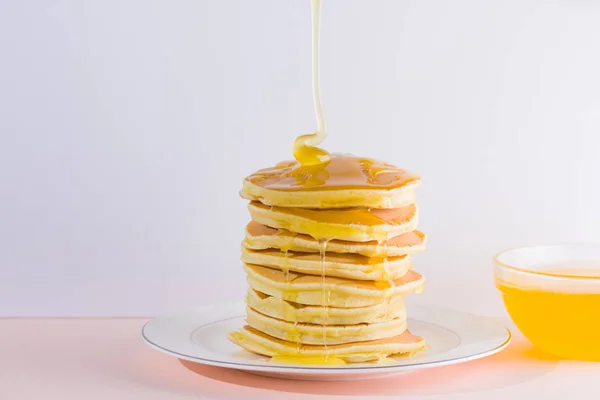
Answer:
(552, 293)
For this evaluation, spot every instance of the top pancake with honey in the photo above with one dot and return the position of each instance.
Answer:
(344, 181)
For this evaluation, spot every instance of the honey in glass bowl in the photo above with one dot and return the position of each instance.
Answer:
(552, 294)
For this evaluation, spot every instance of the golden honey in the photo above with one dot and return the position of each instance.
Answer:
(304, 149)
(562, 318)
(358, 224)
(325, 293)
(348, 216)
(342, 171)
(260, 237)
(307, 155)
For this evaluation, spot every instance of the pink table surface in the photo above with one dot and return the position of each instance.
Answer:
(91, 359)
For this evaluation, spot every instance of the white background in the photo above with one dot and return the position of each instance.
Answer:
(127, 127)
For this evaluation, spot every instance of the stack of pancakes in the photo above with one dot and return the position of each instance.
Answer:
(328, 260)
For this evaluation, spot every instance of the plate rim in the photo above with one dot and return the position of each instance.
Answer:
(325, 369)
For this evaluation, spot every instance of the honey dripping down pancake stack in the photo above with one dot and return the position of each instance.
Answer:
(328, 261)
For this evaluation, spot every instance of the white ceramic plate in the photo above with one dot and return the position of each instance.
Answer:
(200, 334)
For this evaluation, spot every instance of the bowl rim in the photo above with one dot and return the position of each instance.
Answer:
(546, 274)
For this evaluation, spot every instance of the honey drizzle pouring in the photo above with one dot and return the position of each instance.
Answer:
(387, 282)
(324, 294)
(316, 169)
(387, 275)
(285, 311)
(313, 159)
(305, 150)
(308, 155)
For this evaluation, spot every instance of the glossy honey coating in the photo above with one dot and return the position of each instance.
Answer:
(342, 171)
(261, 237)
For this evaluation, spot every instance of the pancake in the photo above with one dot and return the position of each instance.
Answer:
(261, 237)
(345, 181)
(323, 334)
(351, 266)
(308, 289)
(294, 312)
(328, 258)
(263, 344)
(353, 224)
